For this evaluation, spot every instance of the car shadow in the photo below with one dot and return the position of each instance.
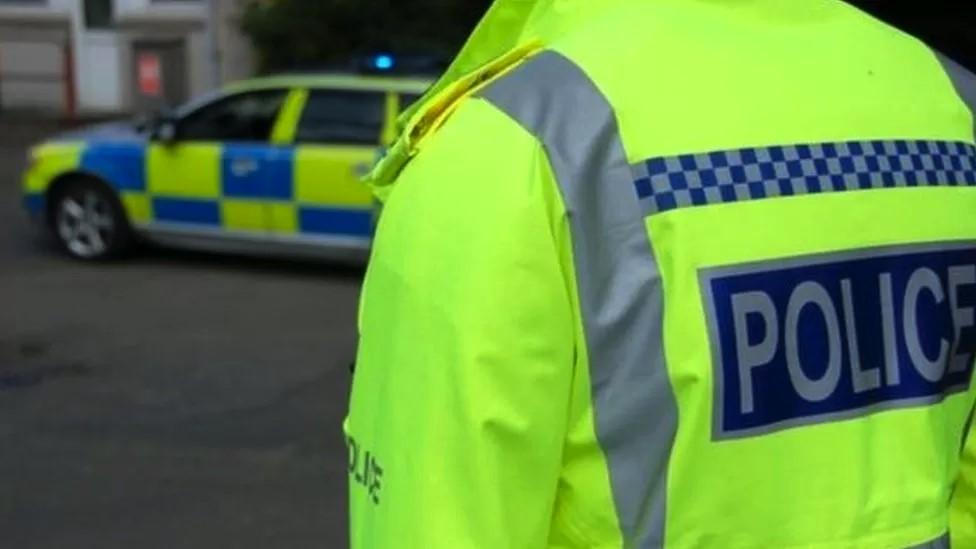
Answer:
(27, 242)
(153, 255)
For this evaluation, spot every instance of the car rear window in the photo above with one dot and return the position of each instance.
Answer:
(342, 117)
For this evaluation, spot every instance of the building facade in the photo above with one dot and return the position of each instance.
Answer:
(112, 56)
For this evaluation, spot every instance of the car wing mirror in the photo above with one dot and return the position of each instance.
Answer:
(166, 131)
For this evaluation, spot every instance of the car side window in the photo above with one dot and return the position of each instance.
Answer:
(247, 116)
(342, 117)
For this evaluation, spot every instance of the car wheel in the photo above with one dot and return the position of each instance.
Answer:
(89, 222)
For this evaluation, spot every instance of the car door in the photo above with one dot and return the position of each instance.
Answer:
(337, 140)
(221, 170)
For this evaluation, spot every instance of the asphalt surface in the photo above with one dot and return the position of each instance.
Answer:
(170, 400)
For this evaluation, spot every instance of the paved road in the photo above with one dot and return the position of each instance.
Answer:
(173, 400)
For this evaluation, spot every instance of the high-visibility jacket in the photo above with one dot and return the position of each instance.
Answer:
(673, 274)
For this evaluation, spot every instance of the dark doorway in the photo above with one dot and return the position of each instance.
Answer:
(159, 74)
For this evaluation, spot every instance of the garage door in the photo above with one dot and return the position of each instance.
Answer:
(32, 75)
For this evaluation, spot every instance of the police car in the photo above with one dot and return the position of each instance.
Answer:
(271, 165)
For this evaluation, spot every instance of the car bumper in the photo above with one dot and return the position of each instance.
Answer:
(35, 205)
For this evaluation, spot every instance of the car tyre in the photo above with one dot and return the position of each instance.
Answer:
(89, 223)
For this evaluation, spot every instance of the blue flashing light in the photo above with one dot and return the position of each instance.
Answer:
(383, 62)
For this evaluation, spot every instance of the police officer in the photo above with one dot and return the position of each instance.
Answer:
(673, 274)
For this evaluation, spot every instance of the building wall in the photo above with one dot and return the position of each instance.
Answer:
(34, 40)
(102, 59)
(187, 9)
(173, 21)
(201, 76)
(98, 56)
(235, 55)
(31, 74)
(95, 56)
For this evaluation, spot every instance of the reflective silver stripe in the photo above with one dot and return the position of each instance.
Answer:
(620, 290)
(940, 543)
(962, 79)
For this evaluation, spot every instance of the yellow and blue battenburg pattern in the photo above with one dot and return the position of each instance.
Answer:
(34, 203)
(665, 184)
(58, 158)
(234, 187)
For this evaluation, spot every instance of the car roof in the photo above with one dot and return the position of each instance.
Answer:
(335, 81)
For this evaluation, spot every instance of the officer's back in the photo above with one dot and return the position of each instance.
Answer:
(762, 215)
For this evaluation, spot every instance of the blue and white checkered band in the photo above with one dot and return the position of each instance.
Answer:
(692, 180)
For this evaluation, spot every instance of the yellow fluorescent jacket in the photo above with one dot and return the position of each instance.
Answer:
(682, 274)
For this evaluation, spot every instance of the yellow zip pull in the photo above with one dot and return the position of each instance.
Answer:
(432, 115)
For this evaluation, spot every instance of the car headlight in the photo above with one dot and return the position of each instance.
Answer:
(32, 157)
(35, 155)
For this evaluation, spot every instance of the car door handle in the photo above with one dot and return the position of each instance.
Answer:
(242, 167)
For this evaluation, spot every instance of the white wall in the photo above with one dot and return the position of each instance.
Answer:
(236, 56)
(184, 8)
(103, 60)
(200, 74)
(98, 57)
(46, 7)
(96, 62)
